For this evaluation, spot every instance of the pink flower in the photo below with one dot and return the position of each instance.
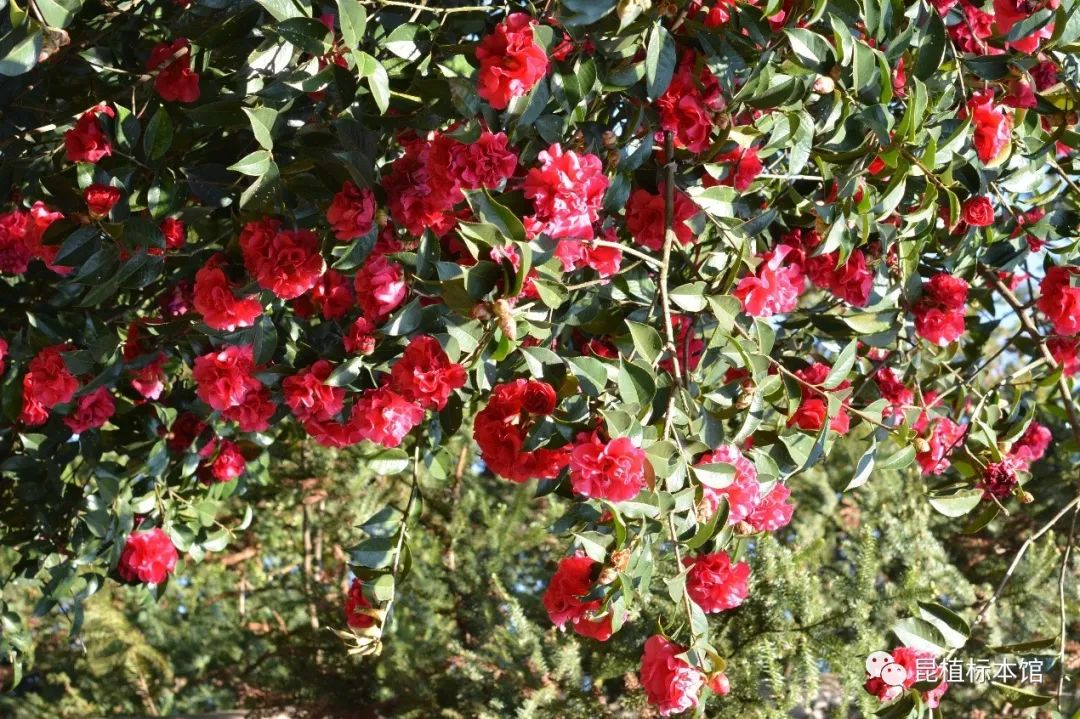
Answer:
(689, 103)
(645, 218)
(939, 313)
(945, 435)
(714, 583)
(671, 684)
(384, 417)
(254, 412)
(909, 658)
(614, 471)
(895, 391)
(773, 512)
(567, 191)
(307, 395)
(998, 480)
(425, 375)
(993, 128)
(1031, 447)
(91, 411)
(352, 212)
(3, 354)
(775, 288)
(487, 162)
(360, 337)
(380, 287)
(511, 62)
(148, 557)
(741, 494)
(1064, 352)
(1009, 12)
(227, 465)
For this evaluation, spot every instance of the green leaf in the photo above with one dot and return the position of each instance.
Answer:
(58, 13)
(812, 50)
(842, 367)
(389, 462)
(591, 374)
(863, 468)
(261, 193)
(707, 530)
(584, 12)
(253, 164)
(690, 297)
(636, 384)
(1021, 697)
(660, 58)
(898, 459)
(306, 33)
(345, 373)
(19, 50)
(647, 341)
(958, 504)
(378, 82)
(159, 135)
(285, 9)
(353, 20)
(920, 634)
(262, 125)
(932, 51)
(951, 625)
(373, 553)
(485, 207)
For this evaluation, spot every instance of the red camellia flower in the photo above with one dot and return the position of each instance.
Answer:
(175, 81)
(851, 281)
(148, 557)
(772, 512)
(420, 189)
(3, 354)
(333, 295)
(998, 480)
(993, 128)
(1059, 300)
(288, 262)
(565, 599)
(487, 162)
(355, 603)
(225, 378)
(567, 191)
(215, 300)
(20, 239)
(86, 141)
(185, 429)
(775, 288)
(688, 105)
(352, 212)
(814, 408)
(645, 218)
(254, 412)
(671, 684)
(743, 167)
(1064, 352)
(614, 471)
(309, 397)
(945, 435)
(228, 464)
(895, 391)
(939, 313)
(1009, 12)
(425, 375)
(174, 232)
(978, 212)
(501, 427)
(360, 337)
(384, 417)
(47, 383)
(91, 411)
(380, 287)
(100, 199)
(511, 62)
(714, 583)
(741, 494)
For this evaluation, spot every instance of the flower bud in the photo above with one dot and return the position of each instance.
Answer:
(824, 85)
(504, 316)
(921, 445)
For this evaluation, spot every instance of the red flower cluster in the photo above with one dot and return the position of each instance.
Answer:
(309, 397)
(688, 105)
(743, 167)
(384, 417)
(851, 281)
(148, 557)
(86, 141)
(813, 410)
(1008, 13)
(227, 464)
(774, 288)
(742, 494)
(614, 471)
(645, 218)
(380, 287)
(1031, 447)
(896, 392)
(914, 661)
(352, 212)
(501, 428)
(511, 62)
(671, 684)
(20, 238)
(286, 262)
(425, 375)
(998, 480)
(978, 212)
(47, 383)
(215, 299)
(567, 191)
(175, 81)
(225, 381)
(174, 232)
(1059, 300)
(714, 583)
(566, 599)
(939, 313)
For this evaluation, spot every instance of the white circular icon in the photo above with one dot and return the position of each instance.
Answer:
(876, 662)
(893, 675)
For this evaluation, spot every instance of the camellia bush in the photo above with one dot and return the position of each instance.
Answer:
(650, 264)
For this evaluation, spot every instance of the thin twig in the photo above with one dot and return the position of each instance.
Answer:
(1061, 607)
(665, 269)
